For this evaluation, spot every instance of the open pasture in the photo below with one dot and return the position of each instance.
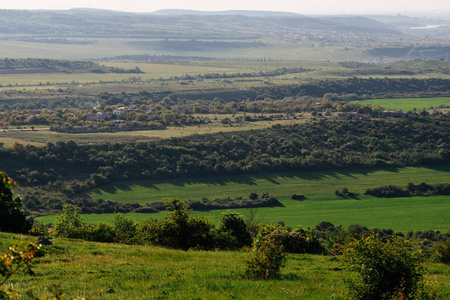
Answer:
(407, 104)
(116, 271)
(321, 204)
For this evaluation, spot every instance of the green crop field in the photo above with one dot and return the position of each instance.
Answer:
(407, 104)
(115, 271)
(321, 204)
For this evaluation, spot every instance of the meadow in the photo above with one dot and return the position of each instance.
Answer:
(321, 204)
(408, 104)
(115, 271)
(41, 137)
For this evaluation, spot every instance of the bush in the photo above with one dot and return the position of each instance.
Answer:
(99, 233)
(253, 196)
(233, 223)
(298, 197)
(299, 240)
(443, 252)
(178, 230)
(386, 270)
(266, 261)
(68, 224)
(125, 228)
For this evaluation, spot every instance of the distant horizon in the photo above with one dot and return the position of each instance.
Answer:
(413, 13)
(333, 7)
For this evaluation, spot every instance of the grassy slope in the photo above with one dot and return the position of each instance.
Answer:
(113, 271)
(407, 104)
(400, 214)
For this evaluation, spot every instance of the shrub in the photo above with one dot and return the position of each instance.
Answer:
(68, 223)
(299, 240)
(266, 261)
(99, 233)
(298, 197)
(125, 228)
(234, 224)
(253, 196)
(385, 270)
(443, 252)
(39, 229)
(178, 230)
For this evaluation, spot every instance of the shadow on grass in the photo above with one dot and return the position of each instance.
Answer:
(253, 179)
(291, 277)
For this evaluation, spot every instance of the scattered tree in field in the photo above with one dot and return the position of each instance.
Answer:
(12, 218)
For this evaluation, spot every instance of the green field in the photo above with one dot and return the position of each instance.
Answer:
(321, 204)
(407, 104)
(115, 271)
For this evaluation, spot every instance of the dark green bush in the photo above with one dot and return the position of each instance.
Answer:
(385, 270)
(99, 233)
(443, 251)
(233, 224)
(178, 230)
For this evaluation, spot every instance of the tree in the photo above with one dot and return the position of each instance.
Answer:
(68, 222)
(386, 270)
(12, 217)
(234, 224)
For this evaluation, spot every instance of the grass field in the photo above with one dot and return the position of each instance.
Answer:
(110, 47)
(321, 204)
(114, 271)
(41, 137)
(407, 104)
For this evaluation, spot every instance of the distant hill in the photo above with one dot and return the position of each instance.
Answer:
(248, 13)
(174, 24)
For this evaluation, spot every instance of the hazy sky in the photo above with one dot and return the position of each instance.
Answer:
(299, 6)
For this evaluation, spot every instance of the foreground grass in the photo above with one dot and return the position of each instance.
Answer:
(114, 271)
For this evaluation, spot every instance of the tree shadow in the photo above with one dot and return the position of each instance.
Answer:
(251, 179)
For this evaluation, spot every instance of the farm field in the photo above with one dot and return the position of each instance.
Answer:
(115, 271)
(321, 204)
(41, 137)
(110, 47)
(407, 104)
